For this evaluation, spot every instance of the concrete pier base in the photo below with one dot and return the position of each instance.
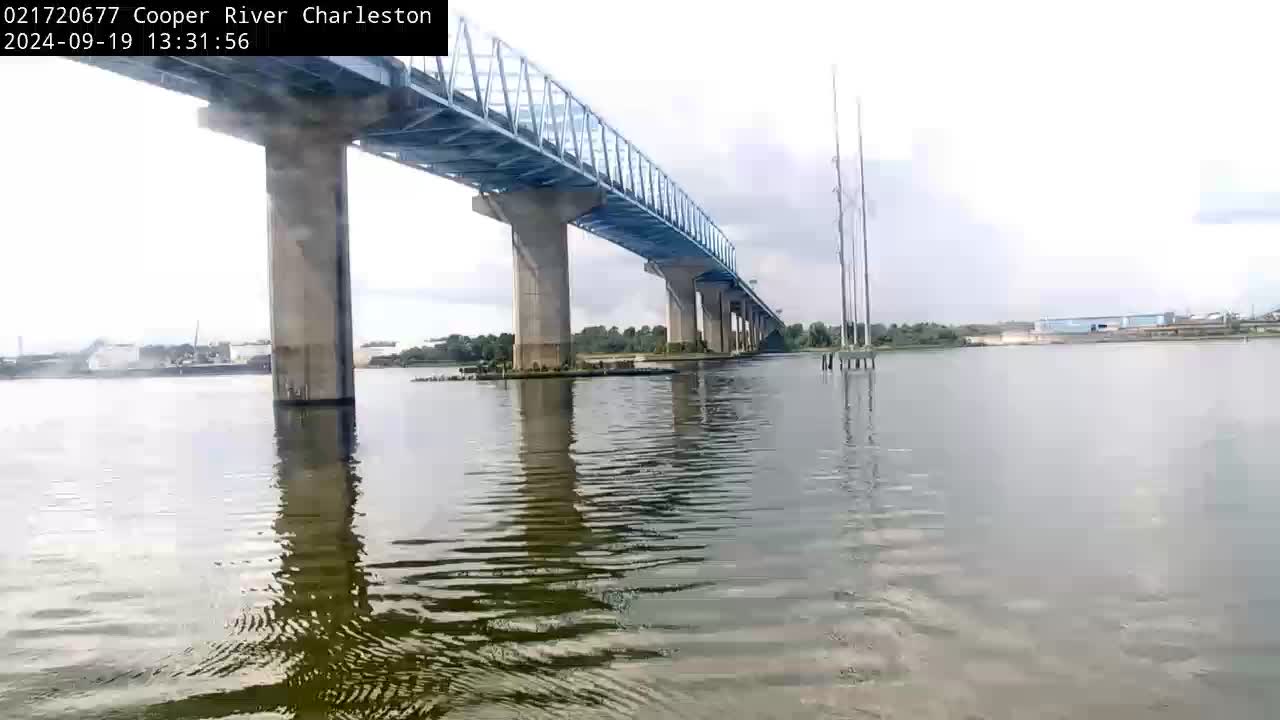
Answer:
(539, 247)
(715, 315)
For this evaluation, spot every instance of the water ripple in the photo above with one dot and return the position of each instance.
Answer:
(749, 539)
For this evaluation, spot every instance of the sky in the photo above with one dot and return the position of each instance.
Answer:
(1021, 162)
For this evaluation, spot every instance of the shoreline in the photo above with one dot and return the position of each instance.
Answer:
(178, 371)
(548, 374)
(1058, 341)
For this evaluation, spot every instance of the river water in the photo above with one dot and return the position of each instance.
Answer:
(1023, 532)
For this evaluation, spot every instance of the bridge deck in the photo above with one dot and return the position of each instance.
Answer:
(484, 116)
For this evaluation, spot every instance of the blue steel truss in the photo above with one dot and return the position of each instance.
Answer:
(487, 117)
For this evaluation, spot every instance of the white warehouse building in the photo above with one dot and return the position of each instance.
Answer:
(115, 357)
(244, 352)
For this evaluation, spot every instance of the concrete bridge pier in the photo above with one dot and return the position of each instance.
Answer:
(539, 219)
(731, 318)
(733, 328)
(306, 180)
(715, 314)
(682, 303)
(735, 334)
(738, 303)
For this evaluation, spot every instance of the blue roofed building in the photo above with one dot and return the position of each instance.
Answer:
(1101, 323)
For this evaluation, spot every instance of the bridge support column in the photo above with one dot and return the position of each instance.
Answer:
(539, 247)
(682, 303)
(311, 341)
(715, 315)
(736, 303)
(310, 271)
(731, 318)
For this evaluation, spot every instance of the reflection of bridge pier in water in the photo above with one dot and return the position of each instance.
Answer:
(307, 636)
(688, 404)
(318, 489)
(492, 619)
(517, 613)
(550, 514)
(323, 587)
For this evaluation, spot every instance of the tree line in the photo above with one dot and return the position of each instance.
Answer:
(924, 334)
(821, 335)
(497, 349)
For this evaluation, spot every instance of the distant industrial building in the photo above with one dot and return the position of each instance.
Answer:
(244, 352)
(114, 357)
(1101, 323)
(1008, 337)
(365, 354)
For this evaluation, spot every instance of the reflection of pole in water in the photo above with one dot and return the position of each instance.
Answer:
(865, 412)
(871, 428)
(846, 381)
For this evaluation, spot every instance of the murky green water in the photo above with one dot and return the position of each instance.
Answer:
(1083, 532)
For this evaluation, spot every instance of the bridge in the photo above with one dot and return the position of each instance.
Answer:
(539, 158)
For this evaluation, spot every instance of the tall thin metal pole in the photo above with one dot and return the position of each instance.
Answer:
(866, 259)
(853, 289)
(844, 285)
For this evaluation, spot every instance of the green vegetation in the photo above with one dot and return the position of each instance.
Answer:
(497, 349)
(908, 335)
(817, 335)
(820, 335)
(598, 339)
(488, 349)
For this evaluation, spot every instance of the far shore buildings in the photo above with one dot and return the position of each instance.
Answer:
(1007, 337)
(114, 356)
(1101, 323)
(365, 354)
(244, 352)
(1064, 329)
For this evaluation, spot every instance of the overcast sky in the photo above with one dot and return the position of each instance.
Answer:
(1101, 158)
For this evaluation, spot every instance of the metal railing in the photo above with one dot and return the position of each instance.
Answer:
(486, 78)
